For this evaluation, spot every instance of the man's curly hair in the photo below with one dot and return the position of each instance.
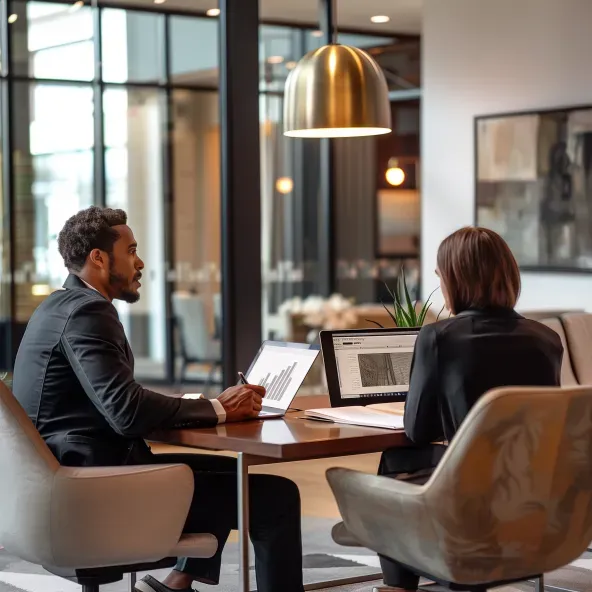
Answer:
(87, 230)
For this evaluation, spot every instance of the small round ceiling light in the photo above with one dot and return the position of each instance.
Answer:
(284, 185)
(213, 12)
(380, 19)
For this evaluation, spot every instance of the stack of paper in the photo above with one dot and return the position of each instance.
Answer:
(362, 416)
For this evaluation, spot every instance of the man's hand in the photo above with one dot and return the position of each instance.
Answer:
(242, 401)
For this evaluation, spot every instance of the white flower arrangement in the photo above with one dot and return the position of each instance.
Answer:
(335, 312)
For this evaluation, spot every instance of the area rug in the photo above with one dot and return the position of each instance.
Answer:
(323, 560)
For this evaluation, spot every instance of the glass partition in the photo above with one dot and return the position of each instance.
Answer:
(196, 274)
(134, 139)
(53, 179)
(52, 40)
(146, 137)
(133, 46)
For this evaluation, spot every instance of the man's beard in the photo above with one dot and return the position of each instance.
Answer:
(124, 294)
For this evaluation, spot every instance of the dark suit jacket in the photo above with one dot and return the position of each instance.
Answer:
(74, 375)
(458, 360)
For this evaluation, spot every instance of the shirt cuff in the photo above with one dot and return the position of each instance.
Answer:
(219, 409)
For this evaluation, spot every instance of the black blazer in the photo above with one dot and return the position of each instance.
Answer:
(459, 359)
(74, 375)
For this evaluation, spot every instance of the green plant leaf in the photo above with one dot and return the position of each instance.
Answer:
(441, 311)
(423, 313)
(395, 295)
(389, 291)
(406, 320)
(390, 314)
(374, 323)
(409, 302)
(401, 318)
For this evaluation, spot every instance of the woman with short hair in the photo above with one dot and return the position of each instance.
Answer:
(485, 345)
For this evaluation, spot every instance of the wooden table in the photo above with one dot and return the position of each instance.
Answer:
(276, 441)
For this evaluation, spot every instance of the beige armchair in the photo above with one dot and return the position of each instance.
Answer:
(510, 500)
(75, 520)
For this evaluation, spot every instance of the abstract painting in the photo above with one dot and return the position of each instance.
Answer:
(534, 185)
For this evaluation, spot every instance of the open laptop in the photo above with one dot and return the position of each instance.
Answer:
(281, 368)
(368, 366)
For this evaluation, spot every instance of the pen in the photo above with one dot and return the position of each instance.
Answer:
(242, 378)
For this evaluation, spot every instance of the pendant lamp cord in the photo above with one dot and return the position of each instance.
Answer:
(328, 21)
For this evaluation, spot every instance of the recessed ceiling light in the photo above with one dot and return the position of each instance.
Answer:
(159, 1)
(291, 65)
(13, 18)
(317, 33)
(275, 60)
(213, 12)
(380, 18)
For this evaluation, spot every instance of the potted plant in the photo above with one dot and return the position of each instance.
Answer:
(404, 312)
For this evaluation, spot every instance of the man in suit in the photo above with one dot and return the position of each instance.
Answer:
(74, 375)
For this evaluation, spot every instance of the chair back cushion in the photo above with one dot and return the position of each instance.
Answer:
(568, 378)
(540, 315)
(27, 467)
(578, 330)
(512, 497)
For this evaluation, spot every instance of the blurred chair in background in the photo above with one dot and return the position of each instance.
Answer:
(198, 345)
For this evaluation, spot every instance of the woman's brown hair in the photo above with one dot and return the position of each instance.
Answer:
(478, 270)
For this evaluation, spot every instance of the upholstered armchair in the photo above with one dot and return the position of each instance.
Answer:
(90, 525)
(510, 500)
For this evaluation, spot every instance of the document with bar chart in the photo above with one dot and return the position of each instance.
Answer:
(281, 370)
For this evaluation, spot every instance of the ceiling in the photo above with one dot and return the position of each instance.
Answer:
(405, 15)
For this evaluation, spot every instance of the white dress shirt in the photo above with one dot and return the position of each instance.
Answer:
(218, 407)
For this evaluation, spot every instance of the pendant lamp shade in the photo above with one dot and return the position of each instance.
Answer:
(336, 91)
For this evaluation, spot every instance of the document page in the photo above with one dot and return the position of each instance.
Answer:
(362, 416)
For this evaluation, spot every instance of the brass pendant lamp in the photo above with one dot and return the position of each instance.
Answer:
(336, 91)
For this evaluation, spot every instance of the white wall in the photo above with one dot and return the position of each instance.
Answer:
(495, 56)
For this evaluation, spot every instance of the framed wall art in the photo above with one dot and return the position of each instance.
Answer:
(534, 185)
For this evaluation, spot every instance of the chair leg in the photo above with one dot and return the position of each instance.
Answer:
(539, 585)
(132, 581)
(90, 588)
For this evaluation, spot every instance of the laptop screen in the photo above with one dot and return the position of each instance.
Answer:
(374, 364)
(281, 369)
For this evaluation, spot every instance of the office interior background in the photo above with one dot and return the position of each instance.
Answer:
(120, 104)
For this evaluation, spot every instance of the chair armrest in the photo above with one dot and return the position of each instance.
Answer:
(104, 516)
(388, 516)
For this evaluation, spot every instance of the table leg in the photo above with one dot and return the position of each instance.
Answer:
(243, 522)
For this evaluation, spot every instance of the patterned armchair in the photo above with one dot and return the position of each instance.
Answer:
(510, 500)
